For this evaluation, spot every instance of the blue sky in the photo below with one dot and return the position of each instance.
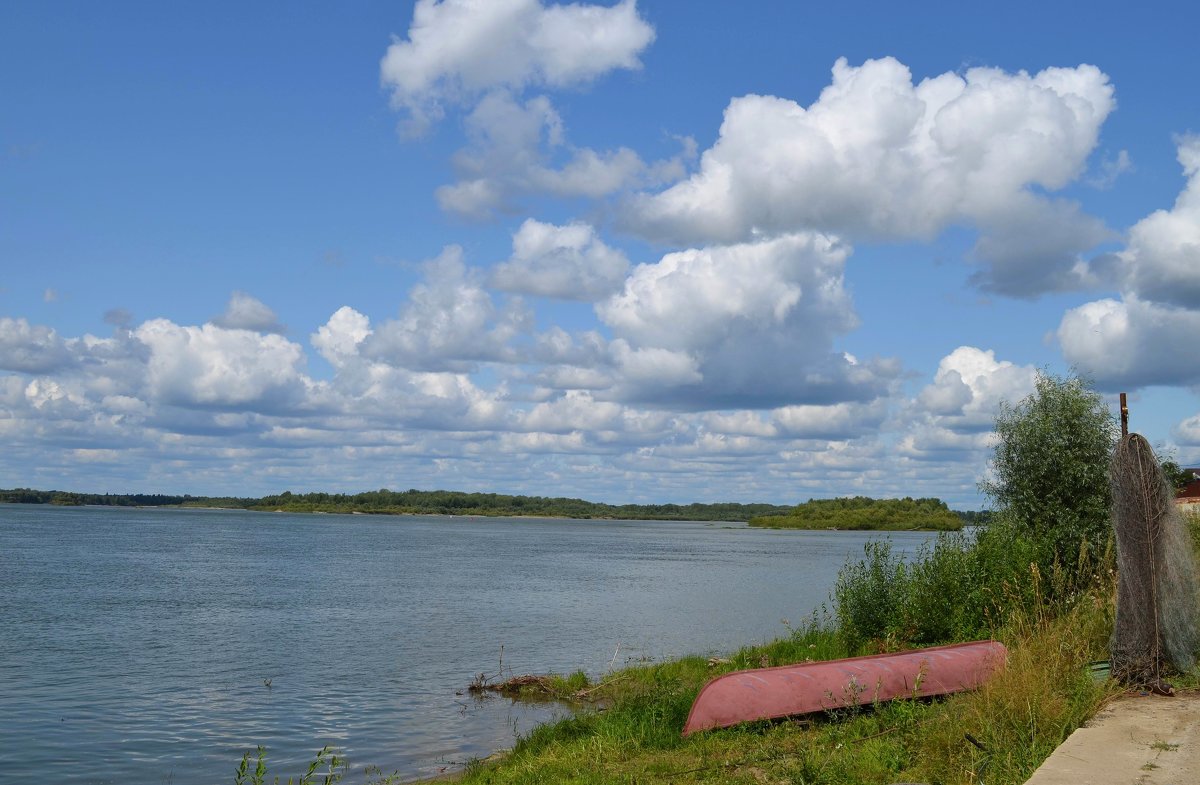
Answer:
(642, 252)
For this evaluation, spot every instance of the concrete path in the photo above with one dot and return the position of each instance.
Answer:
(1135, 740)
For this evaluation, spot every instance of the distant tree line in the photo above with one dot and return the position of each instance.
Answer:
(862, 512)
(413, 502)
(72, 499)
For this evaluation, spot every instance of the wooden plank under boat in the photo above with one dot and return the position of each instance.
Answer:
(807, 687)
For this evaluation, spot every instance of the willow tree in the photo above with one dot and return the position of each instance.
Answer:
(1050, 468)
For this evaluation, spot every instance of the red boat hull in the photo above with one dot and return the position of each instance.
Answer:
(788, 690)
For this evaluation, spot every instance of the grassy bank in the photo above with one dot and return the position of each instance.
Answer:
(1016, 721)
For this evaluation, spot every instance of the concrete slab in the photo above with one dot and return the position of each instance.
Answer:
(1135, 740)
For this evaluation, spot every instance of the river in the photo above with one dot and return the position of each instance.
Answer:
(157, 645)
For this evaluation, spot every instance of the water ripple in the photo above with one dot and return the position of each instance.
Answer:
(141, 643)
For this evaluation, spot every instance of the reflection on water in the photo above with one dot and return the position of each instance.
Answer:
(157, 645)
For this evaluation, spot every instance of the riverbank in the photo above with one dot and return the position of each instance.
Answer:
(1005, 729)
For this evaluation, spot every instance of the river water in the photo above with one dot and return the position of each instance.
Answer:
(156, 646)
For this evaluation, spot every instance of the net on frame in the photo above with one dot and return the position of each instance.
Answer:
(1158, 595)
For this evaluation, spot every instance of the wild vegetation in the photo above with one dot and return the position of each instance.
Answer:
(861, 512)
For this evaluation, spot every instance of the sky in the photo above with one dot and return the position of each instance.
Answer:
(633, 252)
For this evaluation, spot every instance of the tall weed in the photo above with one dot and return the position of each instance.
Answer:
(1018, 717)
(869, 595)
(958, 588)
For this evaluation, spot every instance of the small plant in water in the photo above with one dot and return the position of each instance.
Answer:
(332, 769)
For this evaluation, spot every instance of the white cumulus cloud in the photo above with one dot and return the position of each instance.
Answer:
(876, 156)
(951, 420)
(1161, 261)
(968, 387)
(749, 325)
(573, 411)
(457, 50)
(835, 421)
(211, 366)
(568, 262)
(339, 338)
(1132, 342)
(1187, 432)
(517, 149)
(449, 322)
(31, 348)
(1149, 335)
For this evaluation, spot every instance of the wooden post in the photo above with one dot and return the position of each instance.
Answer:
(1124, 417)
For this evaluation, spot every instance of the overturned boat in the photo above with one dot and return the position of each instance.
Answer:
(807, 687)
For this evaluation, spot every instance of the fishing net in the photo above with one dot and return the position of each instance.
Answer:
(1158, 595)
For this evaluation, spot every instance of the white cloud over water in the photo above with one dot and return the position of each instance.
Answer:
(218, 367)
(182, 400)
(449, 322)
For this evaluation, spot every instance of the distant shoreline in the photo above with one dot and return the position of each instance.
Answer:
(548, 517)
(869, 514)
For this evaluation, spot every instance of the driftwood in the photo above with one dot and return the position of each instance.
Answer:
(515, 686)
(537, 687)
